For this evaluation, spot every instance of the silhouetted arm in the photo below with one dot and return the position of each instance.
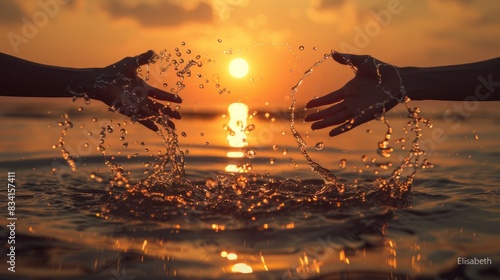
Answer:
(116, 85)
(479, 80)
(377, 87)
(25, 78)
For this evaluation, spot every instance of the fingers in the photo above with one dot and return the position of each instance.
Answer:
(336, 119)
(346, 59)
(163, 95)
(350, 124)
(149, 124)
(156, 107)
(330, 98)
(145, 57)
(326, 113)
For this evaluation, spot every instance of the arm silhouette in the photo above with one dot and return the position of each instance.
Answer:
(377, 87)
(116, 85)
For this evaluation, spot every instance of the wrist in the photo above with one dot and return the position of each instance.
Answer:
(82, 81)
(416, 82)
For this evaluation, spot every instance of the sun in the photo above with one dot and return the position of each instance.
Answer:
(238, 68)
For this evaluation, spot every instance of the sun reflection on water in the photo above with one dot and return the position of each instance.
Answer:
(237, 135)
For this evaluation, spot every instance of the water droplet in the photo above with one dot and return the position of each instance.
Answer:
(125, 145)
(183, 134)
(201, 86)
(364, 158)
(165, 85)
(250, 127)
(80, 109)
(219, 40)
(271, 160)
(343, 163)
(250, 153)
(202, 134)
(301, 48)
(275, 147)
(319, 146)
(284, 151)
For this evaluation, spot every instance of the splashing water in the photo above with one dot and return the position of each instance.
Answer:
(166, 194)
(129, 102)
(395, 185)
(328, 177)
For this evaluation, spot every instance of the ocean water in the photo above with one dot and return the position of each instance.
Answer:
(272, 222)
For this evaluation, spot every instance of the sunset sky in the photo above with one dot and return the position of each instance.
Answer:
(268, 34)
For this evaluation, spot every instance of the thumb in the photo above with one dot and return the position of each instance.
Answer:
(146, 57)
(346, 58)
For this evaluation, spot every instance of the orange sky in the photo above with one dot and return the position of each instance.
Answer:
(266, 33)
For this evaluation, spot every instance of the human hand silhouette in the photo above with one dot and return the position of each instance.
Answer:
(375, 89)
(119, 87)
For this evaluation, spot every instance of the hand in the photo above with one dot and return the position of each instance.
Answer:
(375, 89)
(119, 87)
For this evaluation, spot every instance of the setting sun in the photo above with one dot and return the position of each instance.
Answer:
(238, 68)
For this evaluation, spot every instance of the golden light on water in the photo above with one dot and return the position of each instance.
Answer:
(238, 115)
(235, 154)
(238, 68)
(236, 135)
(242, 268)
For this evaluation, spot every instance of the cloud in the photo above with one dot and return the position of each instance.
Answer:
(160, 14)
(10, 12)
(339, 13)
(329, 4)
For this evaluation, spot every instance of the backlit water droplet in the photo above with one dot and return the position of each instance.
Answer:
(319, 146)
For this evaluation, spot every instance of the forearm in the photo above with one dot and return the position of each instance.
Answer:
(29, 79)
(479, 80)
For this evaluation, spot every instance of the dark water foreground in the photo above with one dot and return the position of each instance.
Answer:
(70, 227)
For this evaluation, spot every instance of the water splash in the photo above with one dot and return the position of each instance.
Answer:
(395, 185)
(167, 195)
(329, 178)
(129, 101)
